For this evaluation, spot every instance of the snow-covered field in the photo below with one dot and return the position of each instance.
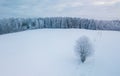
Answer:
(50, 52)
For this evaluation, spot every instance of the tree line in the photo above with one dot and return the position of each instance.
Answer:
(8, 25)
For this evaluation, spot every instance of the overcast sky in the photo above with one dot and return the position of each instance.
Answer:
(96, 9)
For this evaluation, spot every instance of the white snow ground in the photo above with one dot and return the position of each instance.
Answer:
(50, 52)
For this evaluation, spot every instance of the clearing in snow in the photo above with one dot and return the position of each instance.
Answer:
(50, 52)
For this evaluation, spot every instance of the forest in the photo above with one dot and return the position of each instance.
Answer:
(9, 25)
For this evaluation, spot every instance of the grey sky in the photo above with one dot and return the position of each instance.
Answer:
(97, 9)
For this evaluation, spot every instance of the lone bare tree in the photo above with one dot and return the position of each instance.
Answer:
(83, 48)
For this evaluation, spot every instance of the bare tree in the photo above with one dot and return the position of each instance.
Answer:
(83, 48)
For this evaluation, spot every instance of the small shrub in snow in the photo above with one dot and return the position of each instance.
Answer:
(83, 48)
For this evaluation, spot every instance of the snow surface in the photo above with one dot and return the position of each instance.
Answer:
(50, 52)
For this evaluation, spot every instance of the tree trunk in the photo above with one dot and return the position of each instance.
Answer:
(83, 58)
